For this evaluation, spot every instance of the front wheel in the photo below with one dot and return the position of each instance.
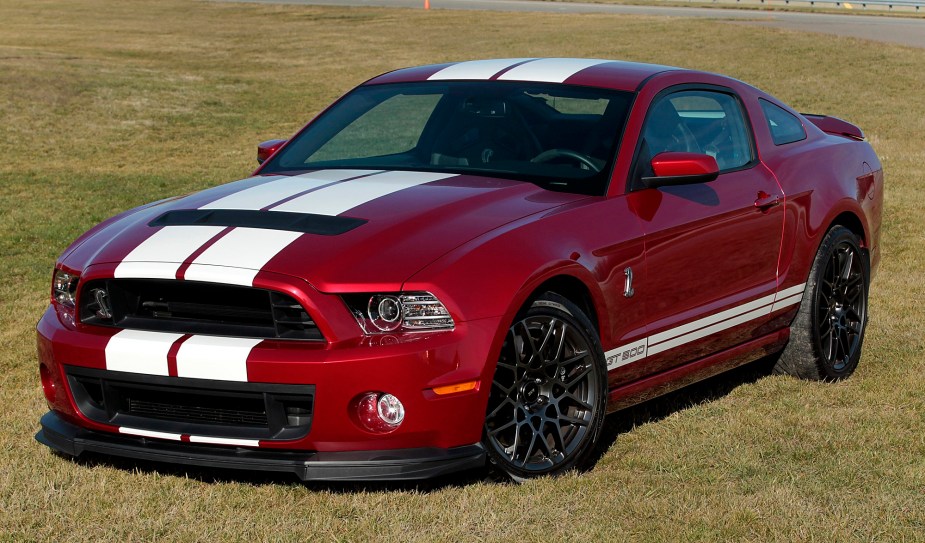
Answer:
(827, 334)
(549, 392)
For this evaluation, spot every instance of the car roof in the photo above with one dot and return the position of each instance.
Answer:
(610, 74)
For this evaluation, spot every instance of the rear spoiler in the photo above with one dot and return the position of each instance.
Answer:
(834, 125)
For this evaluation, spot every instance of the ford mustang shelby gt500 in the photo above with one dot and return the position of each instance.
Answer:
(466, 263)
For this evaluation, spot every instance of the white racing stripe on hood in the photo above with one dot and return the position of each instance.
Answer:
(339, 198)
(550, 70)
(267, 194)
(476, 69)
(159, 256)
(237, 257)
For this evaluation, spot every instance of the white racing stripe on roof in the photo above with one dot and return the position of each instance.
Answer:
(214, 357)
(159, 256)
(267, 194)
(339, 198)
(476, 69)
(550, 70)
(138, 351)
(238, 256)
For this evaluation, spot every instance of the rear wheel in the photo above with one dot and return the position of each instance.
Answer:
(828, 332)
(548, 395)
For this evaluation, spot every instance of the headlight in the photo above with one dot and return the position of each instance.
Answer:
(64, 288)
(399, 312)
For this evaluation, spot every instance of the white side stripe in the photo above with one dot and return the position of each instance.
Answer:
(267, 194)
(159, 256)
(238, 256)
(214, 357)
(476, 69)
(787, 302)
(225, 441)
(551, 70)
(788, 292)
(703, 332)
(712, 319)
(706, 326)
(339, 198)
(148, 433)
(137, 351)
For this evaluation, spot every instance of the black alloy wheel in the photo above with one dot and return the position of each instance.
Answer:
(841, 306)
(547, 399)
(827, 334)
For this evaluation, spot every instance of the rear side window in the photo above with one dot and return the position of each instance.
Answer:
(785, 127)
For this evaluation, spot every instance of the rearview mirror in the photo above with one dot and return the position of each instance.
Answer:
(266, 149)
(681, 169)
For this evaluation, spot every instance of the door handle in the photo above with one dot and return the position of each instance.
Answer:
(766, 201)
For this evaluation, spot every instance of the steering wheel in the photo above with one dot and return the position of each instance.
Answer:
(551, 154)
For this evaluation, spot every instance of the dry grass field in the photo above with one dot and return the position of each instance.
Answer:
(107, 105)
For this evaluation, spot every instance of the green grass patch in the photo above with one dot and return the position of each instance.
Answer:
(108, 105)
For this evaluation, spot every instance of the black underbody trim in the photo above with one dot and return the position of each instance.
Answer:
(308, 223)
(202, 407)
(392, 465)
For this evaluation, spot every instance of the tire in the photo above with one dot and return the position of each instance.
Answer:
(549, 392)
(827, 333)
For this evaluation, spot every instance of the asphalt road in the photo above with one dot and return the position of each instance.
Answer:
(904, 31)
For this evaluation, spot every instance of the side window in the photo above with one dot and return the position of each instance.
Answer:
(785, 127)
(705, 122)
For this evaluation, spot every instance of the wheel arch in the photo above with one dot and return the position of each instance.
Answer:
(851, 221)
(574, 290)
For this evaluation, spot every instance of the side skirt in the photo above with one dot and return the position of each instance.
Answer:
(660, 384)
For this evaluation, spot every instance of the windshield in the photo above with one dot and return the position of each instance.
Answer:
(557, 136)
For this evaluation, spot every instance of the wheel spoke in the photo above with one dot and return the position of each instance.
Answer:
(846, 266)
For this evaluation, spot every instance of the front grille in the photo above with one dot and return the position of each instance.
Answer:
(180, 408)
(191, 307)
(193, 406)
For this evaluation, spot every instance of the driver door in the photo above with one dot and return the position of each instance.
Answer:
(711, 248)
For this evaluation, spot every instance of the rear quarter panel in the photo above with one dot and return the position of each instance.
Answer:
(825, 179)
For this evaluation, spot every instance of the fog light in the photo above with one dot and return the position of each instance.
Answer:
(380, 412)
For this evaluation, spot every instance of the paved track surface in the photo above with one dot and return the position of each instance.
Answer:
(904, 31)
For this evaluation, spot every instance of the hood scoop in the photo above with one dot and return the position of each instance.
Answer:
(307, 223)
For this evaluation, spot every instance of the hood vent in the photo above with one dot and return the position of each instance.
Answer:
(308, 223)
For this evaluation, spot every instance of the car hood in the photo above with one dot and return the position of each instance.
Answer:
(340, 230)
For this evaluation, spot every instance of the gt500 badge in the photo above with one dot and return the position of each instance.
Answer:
(625, 354)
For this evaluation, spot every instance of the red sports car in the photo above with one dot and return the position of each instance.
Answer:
(466, 263)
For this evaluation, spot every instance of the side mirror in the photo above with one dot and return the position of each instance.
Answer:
(681, 169)
(266, 149)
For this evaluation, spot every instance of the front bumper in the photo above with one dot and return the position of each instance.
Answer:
(392, 465)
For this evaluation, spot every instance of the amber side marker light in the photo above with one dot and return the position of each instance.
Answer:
(458, 387)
